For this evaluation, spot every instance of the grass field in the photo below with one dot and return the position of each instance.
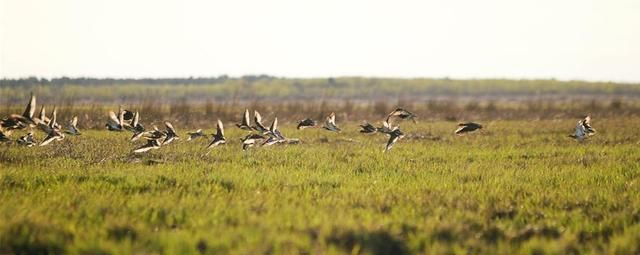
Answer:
(514, 187)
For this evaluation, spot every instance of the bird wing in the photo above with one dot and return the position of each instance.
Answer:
(113, 117)
(74, 121)
(392, 140)
(586, 124)
(331, 120)
(274, 125)
(31, 107)
(121, 118)
(246, 120)
(43, 114)
(460, 129)
(54, 118)
(279, 135)
(220, 129)
(257, 118)
(395, 112)
(169, 127)
(151, 144)
(47, 140)
(137, 136)
(580, 131)
(216, 141)
(136, 119)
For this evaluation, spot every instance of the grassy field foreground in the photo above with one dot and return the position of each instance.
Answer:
(515, 187)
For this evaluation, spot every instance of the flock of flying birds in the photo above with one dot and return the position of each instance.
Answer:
(126, 120)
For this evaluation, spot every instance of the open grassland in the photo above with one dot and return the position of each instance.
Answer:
(275, 88)
(514, 187)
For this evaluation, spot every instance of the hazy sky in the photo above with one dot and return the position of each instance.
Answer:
(572, 39)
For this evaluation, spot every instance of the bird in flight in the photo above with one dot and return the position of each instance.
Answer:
(306, 123)
(218, 137)
(17, 121)
(367, 128)
(583, 129)
(464, 128)
(250, 140)
(330, 123)
(170, 133)
(54, 133)
(152, 144)
(245, 124)
(257, 118)
(116, 122)
(27, 140)
(136, 127)
(196, 134)
(72, 127)
(394, 136)
(275, 136)
(401, 114)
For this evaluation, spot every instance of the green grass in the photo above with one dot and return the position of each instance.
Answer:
(66, 90)
(515, 187)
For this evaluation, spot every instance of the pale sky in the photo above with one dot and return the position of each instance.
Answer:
(574, 39)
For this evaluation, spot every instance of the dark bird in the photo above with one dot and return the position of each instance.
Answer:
(274, 131)
(586, 123)
(367, 128)
(54, 133)
(306, 123)
(250, 140)
(134, 124)
(16, 121)
(275, 136)
(402, 114)
(170, 133)
(116, 122)
(30, 109)
(155, 134)
(27, 140)
(72, 127)
(386, 128)
(195, 134)
(245, 124)
(42, 122)
(218, 137)
(394, 136)
(258, 123)
(583, 129)
(330, 123)
(136, 127)
(42, 118)
(152, 144)
(270, 141)
(467, 127)
(13, 122)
